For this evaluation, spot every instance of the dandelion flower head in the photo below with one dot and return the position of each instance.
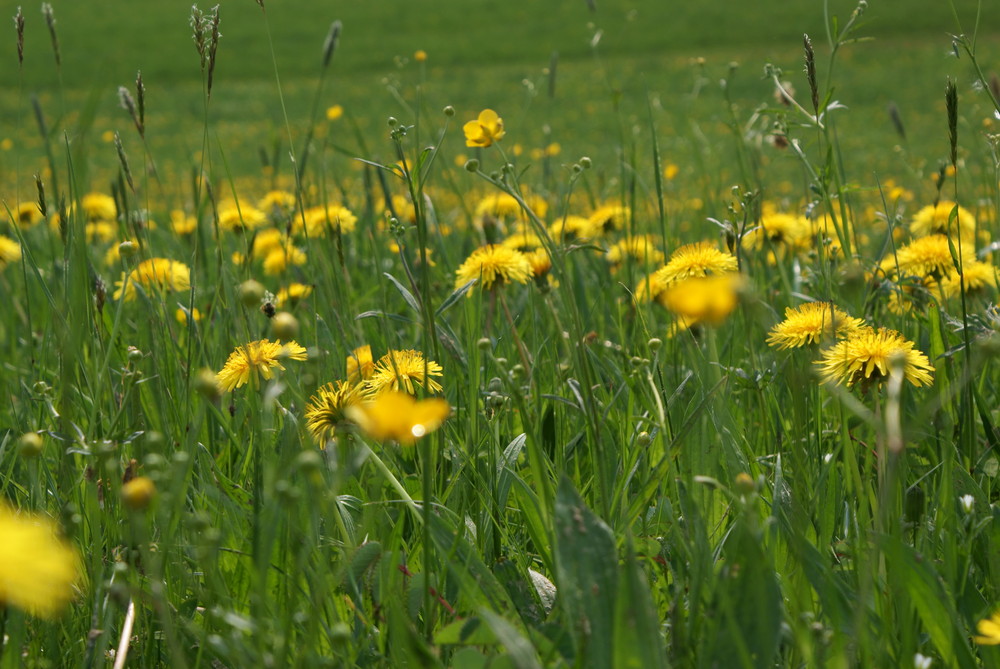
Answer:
(37, 568)
(989, 631)
(256, 358)
(404, 370)
(154, 274)
(360, 364)
(867, 355)
(695, 260)
(936, 219)
(493, 265)
(325, 410)
(10, 251)
(811, 323)
(923, 257)
(707, 299)
(642, 249)
(395, 416)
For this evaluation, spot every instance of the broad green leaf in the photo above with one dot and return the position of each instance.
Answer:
(637, 643)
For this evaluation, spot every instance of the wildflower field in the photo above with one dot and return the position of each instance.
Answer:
(610, 333)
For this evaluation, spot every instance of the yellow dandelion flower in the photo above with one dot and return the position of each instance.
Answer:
(695, 260)
(403, 370)
(182, 315)
(989, 631)
(707, 299)
(278, 260)
(493, 265)
(333, 113)
(498, 205)
(181, 223)
(395, 416)
(540, 261)
(523, 241)
(936, 219)
(266, 241)
(923, 257)
(811, 323)
(37, 568)
(570, 228)
(650, 288)
(242, 217)
(26, 214)
(277, 204)
(420, 55)
(325, 410)
(10, 251)
(114, 252)
(292, 294)
(609, 218)
(100, 231)
(977, 276)
(867, 354)
(320, 219)
(485, 130)
(786, 232)
(641, 248)
(360, 364)
(99, 207)
(257, 357)
(154, 274)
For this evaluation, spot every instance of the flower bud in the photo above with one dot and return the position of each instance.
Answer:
(30, 445)
(285, 326)
(251, 293)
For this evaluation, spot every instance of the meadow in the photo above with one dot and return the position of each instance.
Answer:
(454, 334)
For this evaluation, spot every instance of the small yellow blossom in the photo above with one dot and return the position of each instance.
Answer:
(395, 416)
(245, 363)
(292, 294)
(37, 567)
(493, 265)
(811, 323)
(403, 370)
(154, 274)
(333, 113)
(325, 412)
(485, 130)
(867, 355)
(10, 251)
(360, 364)
(989, 631)
(703, 299)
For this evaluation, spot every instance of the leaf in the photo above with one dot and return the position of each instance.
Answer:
(475, 580)
(469, 632)
(519, 649)
(505, 468)
(407, 295)
(586, 576)
(637, 642)
(456, 295)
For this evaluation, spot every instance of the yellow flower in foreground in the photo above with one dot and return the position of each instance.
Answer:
(493, 264)
(934, 219)
(989, 631)
(155, 273)
(325, 410)
(398, 417)
(485, 130)
(923, 257)
(257, 357)
(867, 355)
(403, 370)
(360, 364)
(10, 251)
(37, 568)
(693, 260)
(703, 299)
(811, 323)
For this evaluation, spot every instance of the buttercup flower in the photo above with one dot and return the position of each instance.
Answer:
(325, 410)
(989, 631)
(403, 370)
(257, 357)
(867, 355)
(811, 323)
(154, 274)
(485, 130)
(493, 264)
(398, 417)
(37, 568)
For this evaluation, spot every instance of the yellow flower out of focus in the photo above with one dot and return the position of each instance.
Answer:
(99, 207)
(784, 231)
(320, 219)
(325, 410)
(493, 265)
(923, 257)
(707, 299)
(182, 315)
(395, 416)
(867, 355)
(154, 274)
(485, 130)
(333, 113)
(641, 248)
(403, 370)
(256, 358)
(420, 55)
(292, 294)
(936, 219)
(181, 223)
(138, 493)
(242, 217)
(811, 323)
(10, 251)
(609, 218)
(989, 631)
(977, 277)
(37, 568)
(26, 215)
(360, 364)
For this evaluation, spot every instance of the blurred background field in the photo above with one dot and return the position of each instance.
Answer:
(608, 63)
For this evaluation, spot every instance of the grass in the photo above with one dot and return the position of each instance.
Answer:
(612, 487)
